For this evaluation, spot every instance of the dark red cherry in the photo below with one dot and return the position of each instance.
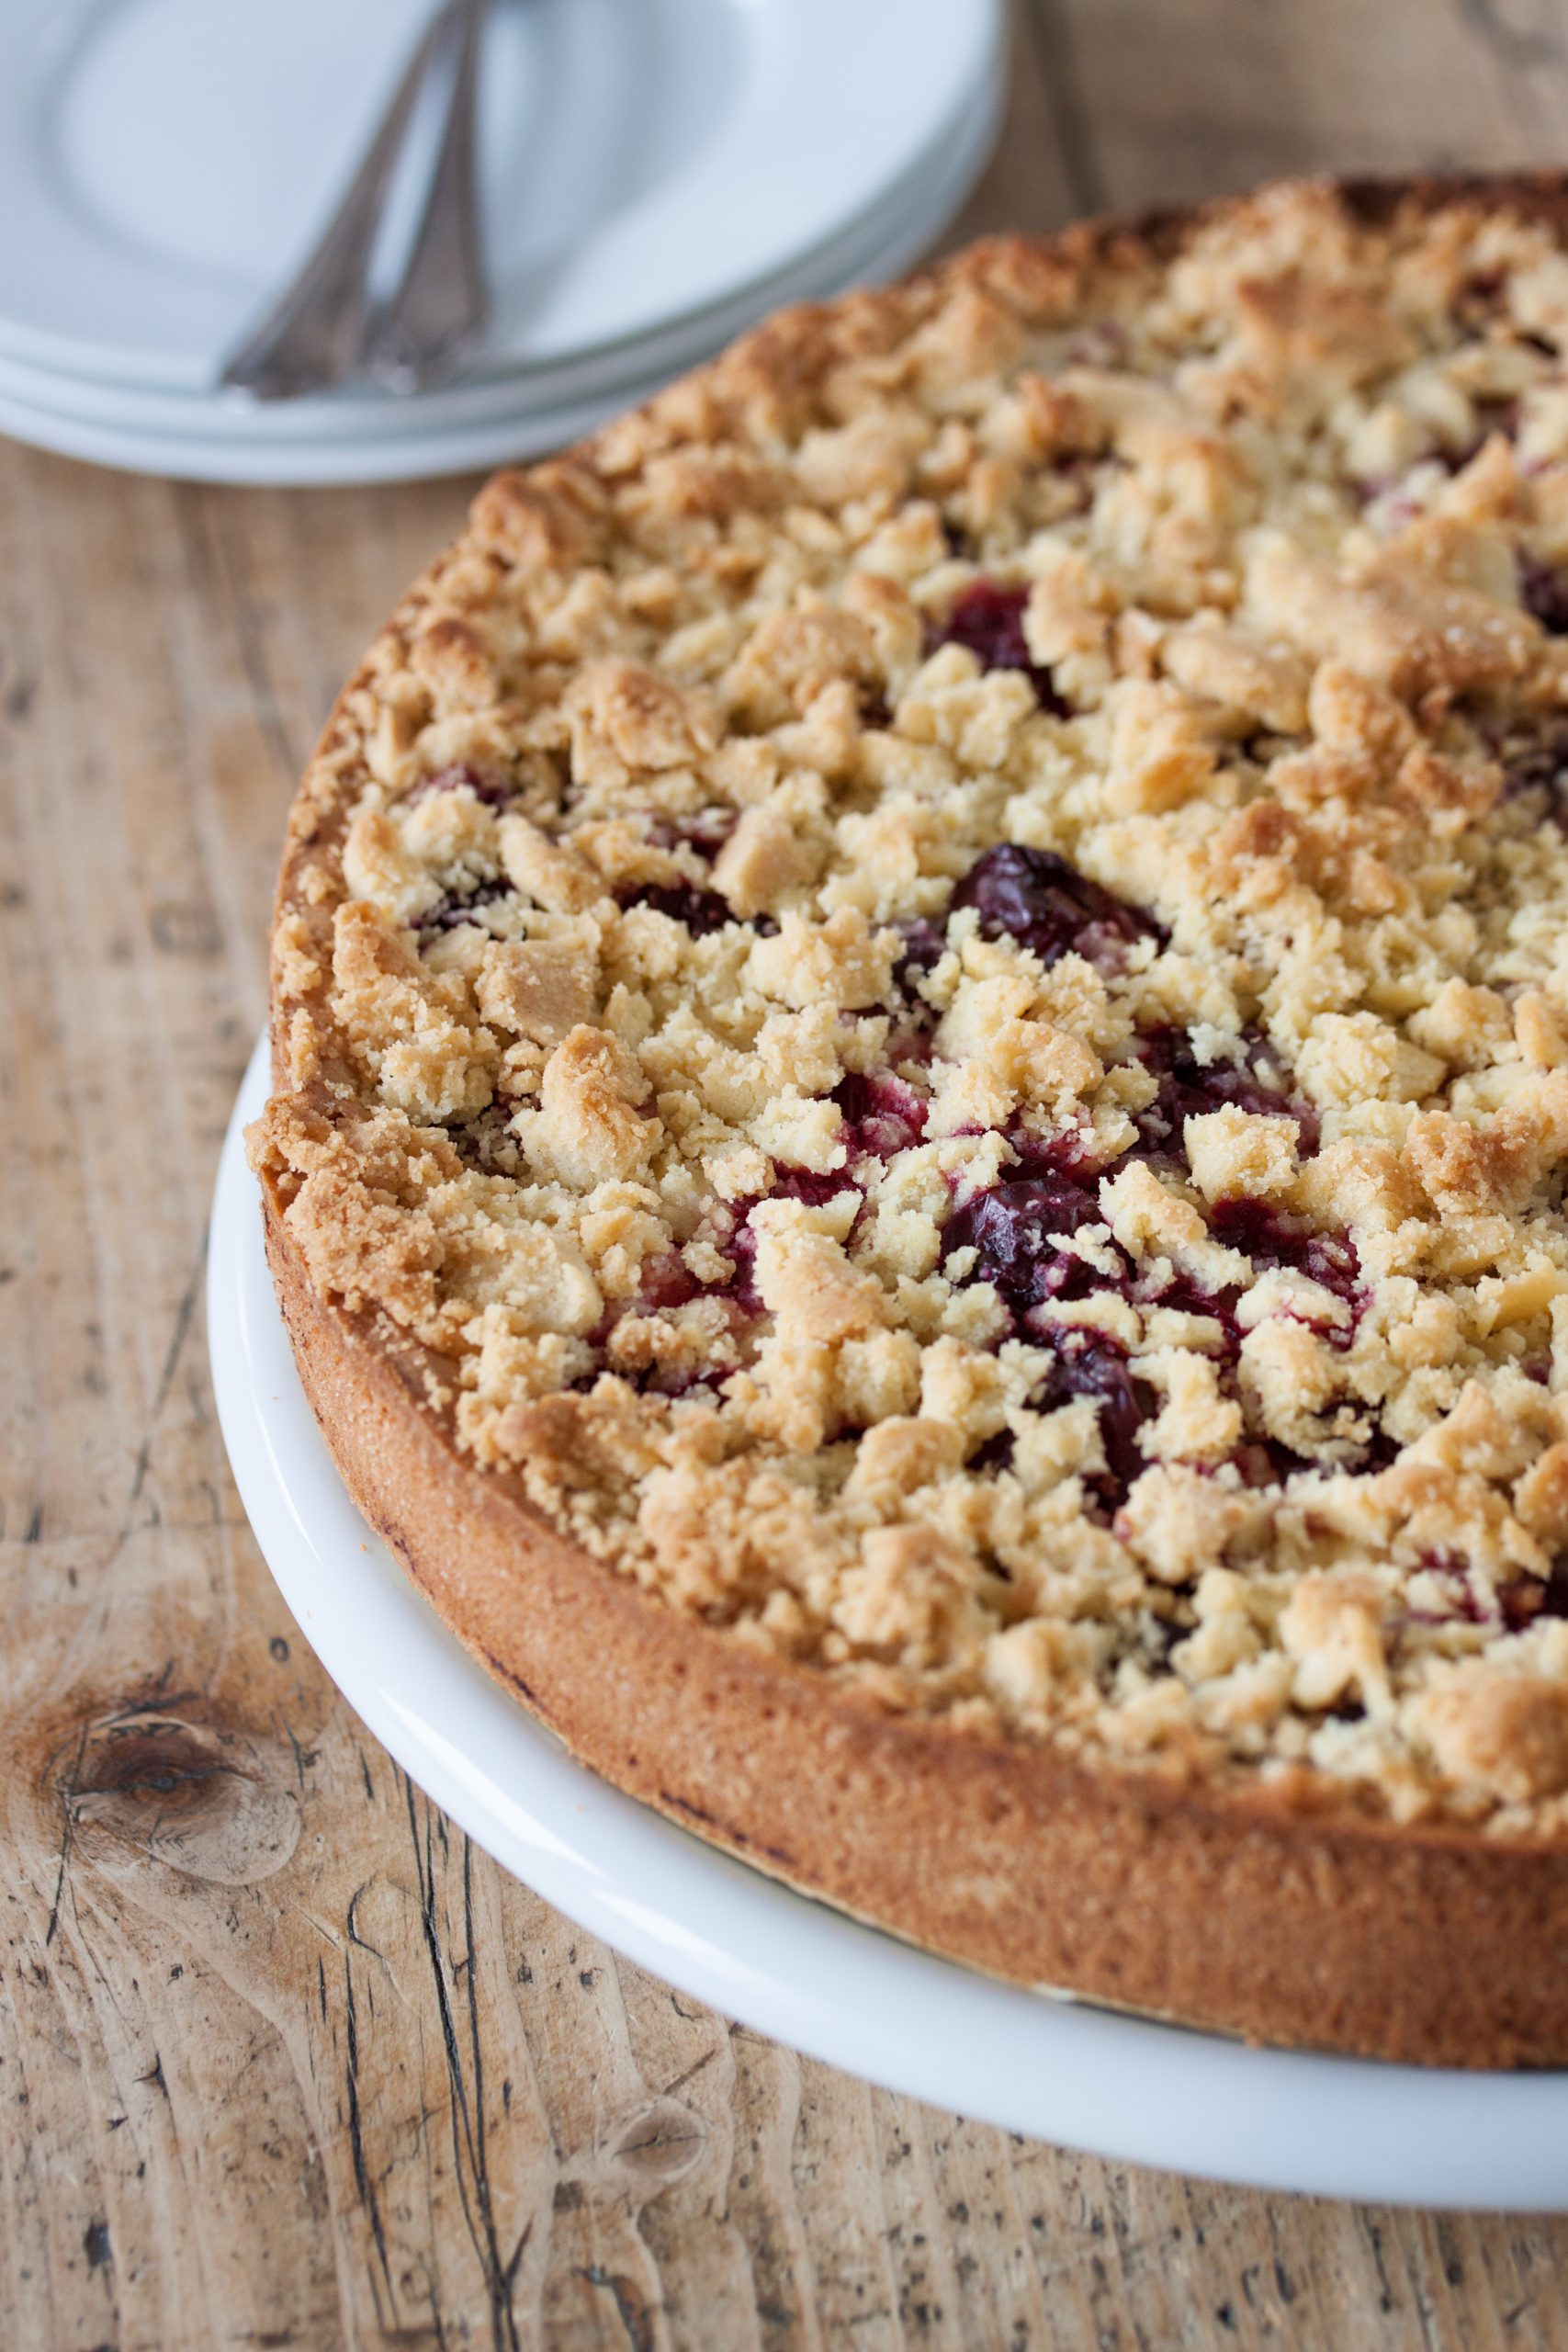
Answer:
(806, 1184)
(1543, 591)
(667, 1283)
(1189, 1089)
(988, 619)
(1452, 1575)
(1529, 1598)
(925, 943)
(459, 906)
(1090, 1364)
(996, 1454)
(882, 1115)
(462, 777)
(1273, 1240)
(700, 910)
(1538, 760)
(1036, 898)
(789, 1184)
(707, 833)
(1016, 1230)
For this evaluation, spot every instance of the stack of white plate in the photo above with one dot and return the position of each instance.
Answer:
(656, 173)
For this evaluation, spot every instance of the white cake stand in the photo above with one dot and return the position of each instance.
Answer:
(786, 1966)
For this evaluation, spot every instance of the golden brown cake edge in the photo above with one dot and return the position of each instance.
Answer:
(1221, 1909)
(1304, 1924)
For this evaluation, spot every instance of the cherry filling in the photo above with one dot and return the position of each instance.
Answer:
(1274, 1241)
(1016, 1231)
(1492, 417)
(1477, 299)
(462, 777)
(1504, 416)
(1036, 898)
(485, 1141)
(789, 1184)
(1462, 1604)
(667, 1283)
(1518, 1604)
(1090, 1364)
(701, 910)
(987, 619)
(707, 833)
(1189, 1089)
(882, 1115)
(1543, 591)
(925, 944)
(1529, 1599)
(458, 907)
(810, 1185)
(1020, 1231)
(1538, 761)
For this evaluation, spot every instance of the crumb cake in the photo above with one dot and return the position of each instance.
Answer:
(920, 1115)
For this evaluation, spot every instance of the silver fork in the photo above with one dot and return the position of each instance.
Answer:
(325, 329)
(437, 317)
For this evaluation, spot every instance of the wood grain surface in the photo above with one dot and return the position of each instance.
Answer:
(284, 2059)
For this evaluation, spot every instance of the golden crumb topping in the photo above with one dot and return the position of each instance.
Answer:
(930, 984)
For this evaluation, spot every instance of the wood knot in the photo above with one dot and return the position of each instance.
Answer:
(206, 1802)
(655, 2144)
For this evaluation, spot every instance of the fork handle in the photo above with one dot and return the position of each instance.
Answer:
(437, 315)
(312, 337)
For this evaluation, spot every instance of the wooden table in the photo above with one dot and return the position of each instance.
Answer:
(284, 2060)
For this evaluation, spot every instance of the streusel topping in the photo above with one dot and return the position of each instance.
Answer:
(933, 981)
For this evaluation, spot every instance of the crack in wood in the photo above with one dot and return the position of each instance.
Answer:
(630, 2309)
(362, 2183)
(471, 2142)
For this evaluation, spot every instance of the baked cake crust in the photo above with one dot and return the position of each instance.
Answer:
(920, 1096)
(1227, 1908)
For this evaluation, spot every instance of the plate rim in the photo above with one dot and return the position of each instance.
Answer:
(1121, 2087)
(787, 34)
(931, 193)
(423, 454)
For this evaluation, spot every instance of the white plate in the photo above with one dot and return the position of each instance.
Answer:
(917, 205)
(786, 1966)
(164, 164)
(515, 430)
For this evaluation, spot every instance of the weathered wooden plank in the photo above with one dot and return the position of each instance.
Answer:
(1180, 102)
(283, 2058)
